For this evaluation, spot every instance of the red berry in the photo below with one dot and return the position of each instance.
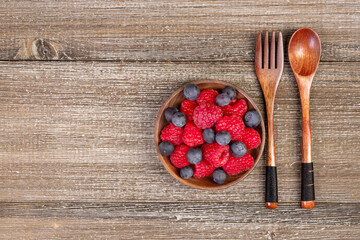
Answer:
(217, 155)
(187, 107)
(178, 157)
(233, 125)
(237, 108)
(207, 96)
(232, 102)
(206, 115)
(235, 165)
(251, 138)
(192, 135)
(203, 169)
(172, 133)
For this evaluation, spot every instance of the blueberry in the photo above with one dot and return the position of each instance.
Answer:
(186, 172)
(191, 92)
(222, 100)
(179, 119)
(252, 119)
(166, 148)
(194, 155)
(223, 138)
(169, 112)
(238, 149)
(231, 92)
(219, 176)
(209, 135)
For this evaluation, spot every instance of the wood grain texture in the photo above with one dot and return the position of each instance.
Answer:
(160, 30)
(177, 221)
(80, 131)
(77, 159)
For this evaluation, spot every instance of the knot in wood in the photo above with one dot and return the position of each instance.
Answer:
(41, 49)
(45, 50)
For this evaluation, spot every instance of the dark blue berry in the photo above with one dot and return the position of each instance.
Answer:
(223, 138)
(219, 176)
(252, 119)
(191, 92)
(238, 149)
(166, 148)
(222, 100)
(179, 119)
(194, 155)
(169, 112)
(186, 172)
(231, 92)
(209, 135)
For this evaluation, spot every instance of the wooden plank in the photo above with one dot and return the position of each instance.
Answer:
(80, 131)
(158, 30)
(176, 221)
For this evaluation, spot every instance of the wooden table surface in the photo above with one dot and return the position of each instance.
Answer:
(81, 83)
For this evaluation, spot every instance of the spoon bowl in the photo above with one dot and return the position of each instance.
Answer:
(304, 52)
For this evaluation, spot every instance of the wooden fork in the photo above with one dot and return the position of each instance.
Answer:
(269, 77)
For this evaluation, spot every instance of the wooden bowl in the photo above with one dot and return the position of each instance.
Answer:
(206, 183)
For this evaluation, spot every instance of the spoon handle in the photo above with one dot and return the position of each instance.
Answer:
(307, 173)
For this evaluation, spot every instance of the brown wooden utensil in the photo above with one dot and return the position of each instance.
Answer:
(304, 57)
(269, 72)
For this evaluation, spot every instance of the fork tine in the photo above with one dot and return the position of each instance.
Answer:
(280, 52)
(258, 52)
(266, 50)
(272, 51)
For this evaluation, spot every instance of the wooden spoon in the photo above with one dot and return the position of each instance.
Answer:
(304, 57)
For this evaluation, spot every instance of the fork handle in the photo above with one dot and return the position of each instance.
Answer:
(271, 187)
(271, 196)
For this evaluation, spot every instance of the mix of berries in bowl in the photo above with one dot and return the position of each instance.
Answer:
(209, 135)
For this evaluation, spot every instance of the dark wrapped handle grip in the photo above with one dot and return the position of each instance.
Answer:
(307, 182)
(271, 185)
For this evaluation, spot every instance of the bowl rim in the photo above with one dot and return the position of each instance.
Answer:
(158, 140)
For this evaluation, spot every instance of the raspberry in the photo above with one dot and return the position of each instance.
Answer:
(203, 169)
(173, 134)
(178, 157)
(235, 165)
(206, 115)
(207, 96)
(251, 138)
(232, 102)
(233, 125)
(237, 108)
(217, 155)
(192, 135)
(187, 107)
